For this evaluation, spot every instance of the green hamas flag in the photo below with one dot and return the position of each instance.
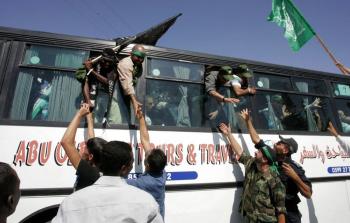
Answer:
(296, 29)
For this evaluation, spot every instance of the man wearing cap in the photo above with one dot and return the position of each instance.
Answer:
(129, 70)
(217, 85)
(292, 174)
(263, 197)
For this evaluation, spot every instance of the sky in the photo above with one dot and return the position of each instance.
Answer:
(235, 28)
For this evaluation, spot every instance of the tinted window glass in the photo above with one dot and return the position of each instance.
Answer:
(174, 104)
(175, 69)
(45, 95)
(280, 111)
(310, 86)
(341, 89)
(272, 82)
(54, 57)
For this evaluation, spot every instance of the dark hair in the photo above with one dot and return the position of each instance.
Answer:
(114, 155)
(156, 160)
(94, 146)
(8, 181)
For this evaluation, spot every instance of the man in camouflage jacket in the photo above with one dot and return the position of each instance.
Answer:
(263, 198)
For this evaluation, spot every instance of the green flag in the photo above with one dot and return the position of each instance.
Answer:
(296, 29)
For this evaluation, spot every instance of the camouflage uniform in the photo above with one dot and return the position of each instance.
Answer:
(263, 193)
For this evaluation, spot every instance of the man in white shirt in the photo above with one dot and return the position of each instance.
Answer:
(110, 198)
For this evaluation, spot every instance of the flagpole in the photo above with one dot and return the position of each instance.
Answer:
(331, 55)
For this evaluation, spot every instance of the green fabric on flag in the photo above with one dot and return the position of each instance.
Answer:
(296, 28)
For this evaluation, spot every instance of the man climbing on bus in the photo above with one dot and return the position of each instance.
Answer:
(263, 197)
(99, 83)
(129, 70)
(224, 87)
(291, 174)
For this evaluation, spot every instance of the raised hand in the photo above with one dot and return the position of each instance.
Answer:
(225, 129)
(245, 114)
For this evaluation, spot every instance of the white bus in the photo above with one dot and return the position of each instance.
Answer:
(39, 96)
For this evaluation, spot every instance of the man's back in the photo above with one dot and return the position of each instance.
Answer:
(110, 199)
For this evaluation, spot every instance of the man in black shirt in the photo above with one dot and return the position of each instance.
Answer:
(84, 160)
(293, 177)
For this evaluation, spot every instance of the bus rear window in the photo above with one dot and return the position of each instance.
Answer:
(54, 57)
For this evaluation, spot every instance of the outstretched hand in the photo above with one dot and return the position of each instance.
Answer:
(245, 114)
(225, 129)
(139, 113)
(231, 100)
(88, 64)
(84, 109)
(316, 103)
(331, 129)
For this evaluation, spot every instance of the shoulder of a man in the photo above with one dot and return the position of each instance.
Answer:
(210, 80)
(246, 159)
(125, 62)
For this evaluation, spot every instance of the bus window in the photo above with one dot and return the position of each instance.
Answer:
(343, 109)
(175, 69)
(39, 95)
(173, 103)
(309, 86)
(272, 82)
(281, 111)
(54, 57)
(341, 89)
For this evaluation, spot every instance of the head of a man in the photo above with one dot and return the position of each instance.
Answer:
(116, 159)
(285, 148)
(225, 74)
(149, 103)
(9, 190)
(91, 152)
(266, 155)
(108, 59)
(155, 161)
(138, 54)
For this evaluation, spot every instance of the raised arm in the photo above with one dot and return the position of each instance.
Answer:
(90, 124)
(68, 138)
(236, 148)
(144, 136)
(252, 132)
(241, 92)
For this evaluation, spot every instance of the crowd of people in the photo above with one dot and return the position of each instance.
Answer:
(103, 194)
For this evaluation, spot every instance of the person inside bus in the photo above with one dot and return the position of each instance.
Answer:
(129, 71)
(9, 191)
(84, 160)
(110, 198)
(217, 85)
(291, 174)
(154, 177)
(345, 145)
(263, 197)
(158, 113)
(345, 121)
